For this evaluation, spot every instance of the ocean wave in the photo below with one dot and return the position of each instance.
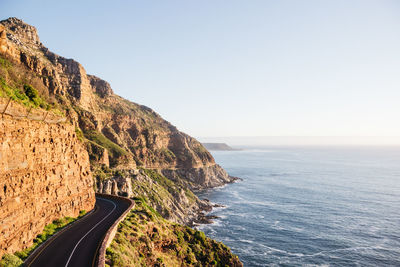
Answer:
(309, 209)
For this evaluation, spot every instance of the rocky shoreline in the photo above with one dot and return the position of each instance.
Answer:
(202, 214)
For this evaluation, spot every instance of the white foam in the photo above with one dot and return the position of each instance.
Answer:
(246, 241)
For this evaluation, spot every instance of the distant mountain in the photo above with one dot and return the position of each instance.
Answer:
(218, 146)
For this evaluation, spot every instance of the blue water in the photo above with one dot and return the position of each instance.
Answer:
(307, 206)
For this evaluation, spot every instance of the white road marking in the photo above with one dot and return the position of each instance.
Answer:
(115, 206)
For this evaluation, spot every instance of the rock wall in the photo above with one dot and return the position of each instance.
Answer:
(44, 175)
(120, 135)
(133, 134)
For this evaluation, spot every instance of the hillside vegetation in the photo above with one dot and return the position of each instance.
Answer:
(144, 238)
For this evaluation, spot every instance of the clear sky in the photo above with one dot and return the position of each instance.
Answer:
(238, 68)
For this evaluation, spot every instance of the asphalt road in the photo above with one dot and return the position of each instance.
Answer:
(79, 245)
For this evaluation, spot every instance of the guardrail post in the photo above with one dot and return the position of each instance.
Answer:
(45, 115)
(4, 111)
(29, 111)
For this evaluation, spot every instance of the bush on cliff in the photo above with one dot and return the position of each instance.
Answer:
(114, 150)
(31, 92)
(10, 260)
(13, 79)
(144, 238)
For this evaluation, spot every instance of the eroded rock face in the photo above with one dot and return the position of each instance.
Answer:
(62, 76)
(101, 87)
(143, 137)
(120, 134)
(27, 34)
(44, 175)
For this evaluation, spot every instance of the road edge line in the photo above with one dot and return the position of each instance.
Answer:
(38, 249)
(90, 230)
(109, 236)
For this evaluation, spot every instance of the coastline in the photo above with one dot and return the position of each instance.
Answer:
(203, 216)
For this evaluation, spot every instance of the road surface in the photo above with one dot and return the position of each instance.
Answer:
(78, 246)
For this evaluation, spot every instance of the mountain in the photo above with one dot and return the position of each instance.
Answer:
(130, 149)
(217, 146)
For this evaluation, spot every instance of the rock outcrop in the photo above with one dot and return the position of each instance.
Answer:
(172, 200)
(45, 175)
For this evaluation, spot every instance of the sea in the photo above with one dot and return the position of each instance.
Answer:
(309, 206)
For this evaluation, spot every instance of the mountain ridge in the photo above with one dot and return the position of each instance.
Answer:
(131, 150)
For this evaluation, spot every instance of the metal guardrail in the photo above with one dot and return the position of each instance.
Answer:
(18, 111)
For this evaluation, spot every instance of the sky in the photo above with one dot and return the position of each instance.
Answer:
(238, 68)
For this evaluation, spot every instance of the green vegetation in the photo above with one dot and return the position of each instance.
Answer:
(154, 194)
(15, 84)
(29, 97)
(168, 154)
(114, 150)
(161, 193)
(18, 257)
(144, 238)
(10, 260)
(159, 178)
(170, 186)
(103, 172)
(79, 134)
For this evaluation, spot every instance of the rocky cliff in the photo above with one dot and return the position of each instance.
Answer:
(44, 175)
(120, 135)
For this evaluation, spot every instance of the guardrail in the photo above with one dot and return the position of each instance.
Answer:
(18, 111)
(101, 259)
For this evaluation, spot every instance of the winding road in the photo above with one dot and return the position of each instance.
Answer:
(79, 244)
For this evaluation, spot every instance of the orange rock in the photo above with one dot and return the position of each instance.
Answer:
(44, 175)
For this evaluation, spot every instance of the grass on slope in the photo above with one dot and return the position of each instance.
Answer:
(162, 194)
(144, 238)
(171, 186)
(15, 83)
(114, 150)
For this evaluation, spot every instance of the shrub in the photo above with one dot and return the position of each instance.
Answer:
(200, 236)
(119, 173)
(31, 92)
(79, 133)
(82, 213)
(114, 150)
(10, 260)
(180, 236)
(21, 254)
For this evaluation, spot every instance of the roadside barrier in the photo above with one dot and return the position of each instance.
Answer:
(18, 111)
(109, 236)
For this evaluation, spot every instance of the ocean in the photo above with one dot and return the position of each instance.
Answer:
(309, 206)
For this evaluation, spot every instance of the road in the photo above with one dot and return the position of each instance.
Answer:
(79, 245)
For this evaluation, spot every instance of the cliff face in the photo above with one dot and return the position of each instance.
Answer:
(133, 135)
(119, 135)
(44, 175)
